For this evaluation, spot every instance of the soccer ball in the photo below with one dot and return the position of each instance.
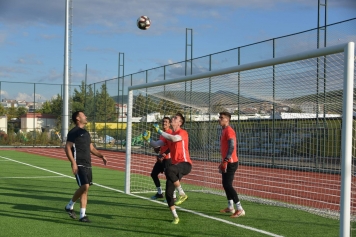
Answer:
(143, 22)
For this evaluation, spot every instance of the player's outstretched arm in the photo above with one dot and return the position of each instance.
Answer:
(156, 144)
(146, 135)
(173, 138)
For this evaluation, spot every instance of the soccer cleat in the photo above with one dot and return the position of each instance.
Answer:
(70, 212)
(227, 210)
(238, 213)
(156, 196)
(175, 220)
(181, 199)
(84, 219)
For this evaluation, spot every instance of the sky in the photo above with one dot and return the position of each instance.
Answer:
(32, 35)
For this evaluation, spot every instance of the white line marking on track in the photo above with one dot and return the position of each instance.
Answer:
(180, 208)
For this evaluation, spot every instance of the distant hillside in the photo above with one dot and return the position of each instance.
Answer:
(120, 99)
(330, 97)
(203, 98)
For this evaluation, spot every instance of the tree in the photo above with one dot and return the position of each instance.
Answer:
(89, 104)
(83, 100)
(78, 99)
(57, 106)
(139, 103)
(2, 110)
(21, 111)
(168, 106)
(144, 105)
(104, 106)
(11, 113)
(46, 108)
(54, 107)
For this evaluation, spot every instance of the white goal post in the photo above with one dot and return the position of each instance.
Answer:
(317, 138)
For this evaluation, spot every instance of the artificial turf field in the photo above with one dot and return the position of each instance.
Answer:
(34, 190)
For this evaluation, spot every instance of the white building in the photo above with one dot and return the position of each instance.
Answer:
(32, 107)
(22, 103)
(305, 115)
(38, 122)
(3, 123)
(152, 117)
(121, 110)
(6, 103)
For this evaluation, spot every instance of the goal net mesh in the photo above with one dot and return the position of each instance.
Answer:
(287, 119)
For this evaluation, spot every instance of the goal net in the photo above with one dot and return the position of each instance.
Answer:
(294, 125)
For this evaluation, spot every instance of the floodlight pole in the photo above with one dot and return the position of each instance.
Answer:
(65, 111)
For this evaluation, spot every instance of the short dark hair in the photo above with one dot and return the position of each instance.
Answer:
(225, 113)
(75, 115)
(181, 118)
(169, 119)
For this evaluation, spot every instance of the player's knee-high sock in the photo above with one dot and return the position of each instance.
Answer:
(174, 213)
(238, 206)
(230, 204)
(180, 191)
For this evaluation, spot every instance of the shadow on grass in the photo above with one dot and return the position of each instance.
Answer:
(133, 227)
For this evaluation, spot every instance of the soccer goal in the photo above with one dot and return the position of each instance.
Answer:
(293, 117)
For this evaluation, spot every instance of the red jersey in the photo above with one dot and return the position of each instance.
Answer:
(227, 134)
(165, 146)
(179, 150)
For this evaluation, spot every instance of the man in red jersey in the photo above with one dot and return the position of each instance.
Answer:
(164, 157)
(229, 164)
(181, 162)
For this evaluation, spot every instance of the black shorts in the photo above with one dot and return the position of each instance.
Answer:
(84, 176)
(177, 171)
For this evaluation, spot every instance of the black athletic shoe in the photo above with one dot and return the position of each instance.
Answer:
(156, 196)
(85, 219)
(70, 212)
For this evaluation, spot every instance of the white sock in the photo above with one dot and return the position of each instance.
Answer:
(175, 194)
(70, 205)
(230, 204)
(174, 213)
(180, 191)
(159, 190)
(82, 212)
(238, 206)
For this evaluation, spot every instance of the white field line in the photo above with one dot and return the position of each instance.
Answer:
(32, 177)
(180, 208)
